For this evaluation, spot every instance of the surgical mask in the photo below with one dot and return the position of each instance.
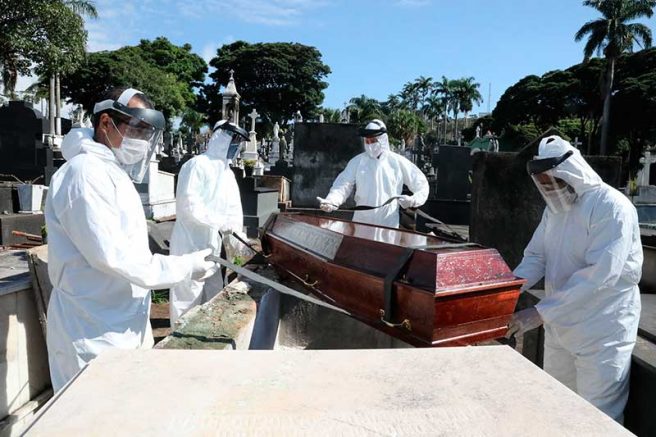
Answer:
(560, 199)
(131, 150)
(373, 149)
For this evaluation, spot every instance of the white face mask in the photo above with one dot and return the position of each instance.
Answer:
(560, 199)
(374, 149)
(131, 150)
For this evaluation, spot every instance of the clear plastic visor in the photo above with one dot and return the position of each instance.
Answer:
(151, 137)
(558, 195)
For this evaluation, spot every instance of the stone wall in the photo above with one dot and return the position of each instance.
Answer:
(506, 206)
(321, 152)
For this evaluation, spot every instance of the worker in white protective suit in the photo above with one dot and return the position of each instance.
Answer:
(100, 265)
(208, 210)
(377, 174)
(587, 247)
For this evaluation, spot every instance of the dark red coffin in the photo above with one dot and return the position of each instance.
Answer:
(441, 293)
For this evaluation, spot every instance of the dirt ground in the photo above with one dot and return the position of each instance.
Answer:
(159, 320)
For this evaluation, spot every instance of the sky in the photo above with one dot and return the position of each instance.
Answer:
(372, 47)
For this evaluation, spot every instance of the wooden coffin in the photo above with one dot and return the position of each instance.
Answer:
(441, 293)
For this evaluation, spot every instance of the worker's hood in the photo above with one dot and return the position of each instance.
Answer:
(80, 140)
(575, 171)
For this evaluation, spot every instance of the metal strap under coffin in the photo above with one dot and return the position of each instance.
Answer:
(275, 285)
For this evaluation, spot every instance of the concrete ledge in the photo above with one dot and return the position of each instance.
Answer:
(225, 322)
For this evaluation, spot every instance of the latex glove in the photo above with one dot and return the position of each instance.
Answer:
(200, 268)
(325, 205)
(523, 321)
(406, 202)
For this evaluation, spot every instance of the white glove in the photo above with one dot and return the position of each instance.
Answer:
(201, 269)
(325, 205)
(406, 202)
(523, 321)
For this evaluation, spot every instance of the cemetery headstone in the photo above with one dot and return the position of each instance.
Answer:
(506, 207)
(321, 152)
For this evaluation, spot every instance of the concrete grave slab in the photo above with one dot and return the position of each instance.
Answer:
(484, 391)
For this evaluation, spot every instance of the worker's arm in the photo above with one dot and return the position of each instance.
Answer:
(416, 182)
(611, 235)
(344, 184)
(189, 201)
(533, 264)
(91, 219)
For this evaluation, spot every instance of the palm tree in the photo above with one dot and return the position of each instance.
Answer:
(365, 108)
(82, 8)
(434, 108)
(444, 89)
(468, 95)
(612, 35)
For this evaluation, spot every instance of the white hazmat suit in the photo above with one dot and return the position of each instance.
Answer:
(376, 177)
(100, 265)
(207, 202)
(591, 259)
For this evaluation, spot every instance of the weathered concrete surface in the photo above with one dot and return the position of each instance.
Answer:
(638, 415)
(506, 207)
(23, 356)
(304, 325)
(639, 412)
(225, 322)
(483, 391)
(240, 318)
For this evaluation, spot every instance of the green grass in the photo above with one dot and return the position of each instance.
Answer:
(159, 296)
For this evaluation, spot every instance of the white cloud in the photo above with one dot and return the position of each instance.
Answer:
(209, 49)
(267, 12)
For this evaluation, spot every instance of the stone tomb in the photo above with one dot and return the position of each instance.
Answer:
(506, 206)
(21, 140)
(321, 152)
(490, 391)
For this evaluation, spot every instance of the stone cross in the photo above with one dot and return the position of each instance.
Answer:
(253, 116)
(576, 142)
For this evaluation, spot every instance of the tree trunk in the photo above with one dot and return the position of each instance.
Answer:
(455, 126)
(605, 118)
(51, 105)
(58, 103)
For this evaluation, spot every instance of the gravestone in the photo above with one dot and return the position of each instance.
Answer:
(23, 152)
(506, 206)
(321, 152)
(454, 165)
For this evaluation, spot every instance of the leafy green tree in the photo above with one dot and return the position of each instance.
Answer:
(612, 35)
(276, 79)
(467, 94)
(444, 89)
(49, 34)
(187, 66)
(331, 115)
(126, 67)
(404, 124)
(363, 109)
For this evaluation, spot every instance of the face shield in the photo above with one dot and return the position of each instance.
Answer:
(226, 140)
(374, 136)
(558, 195)
(141, 136)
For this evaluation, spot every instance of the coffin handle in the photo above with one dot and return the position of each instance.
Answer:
(307, 283)
(404, 324)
